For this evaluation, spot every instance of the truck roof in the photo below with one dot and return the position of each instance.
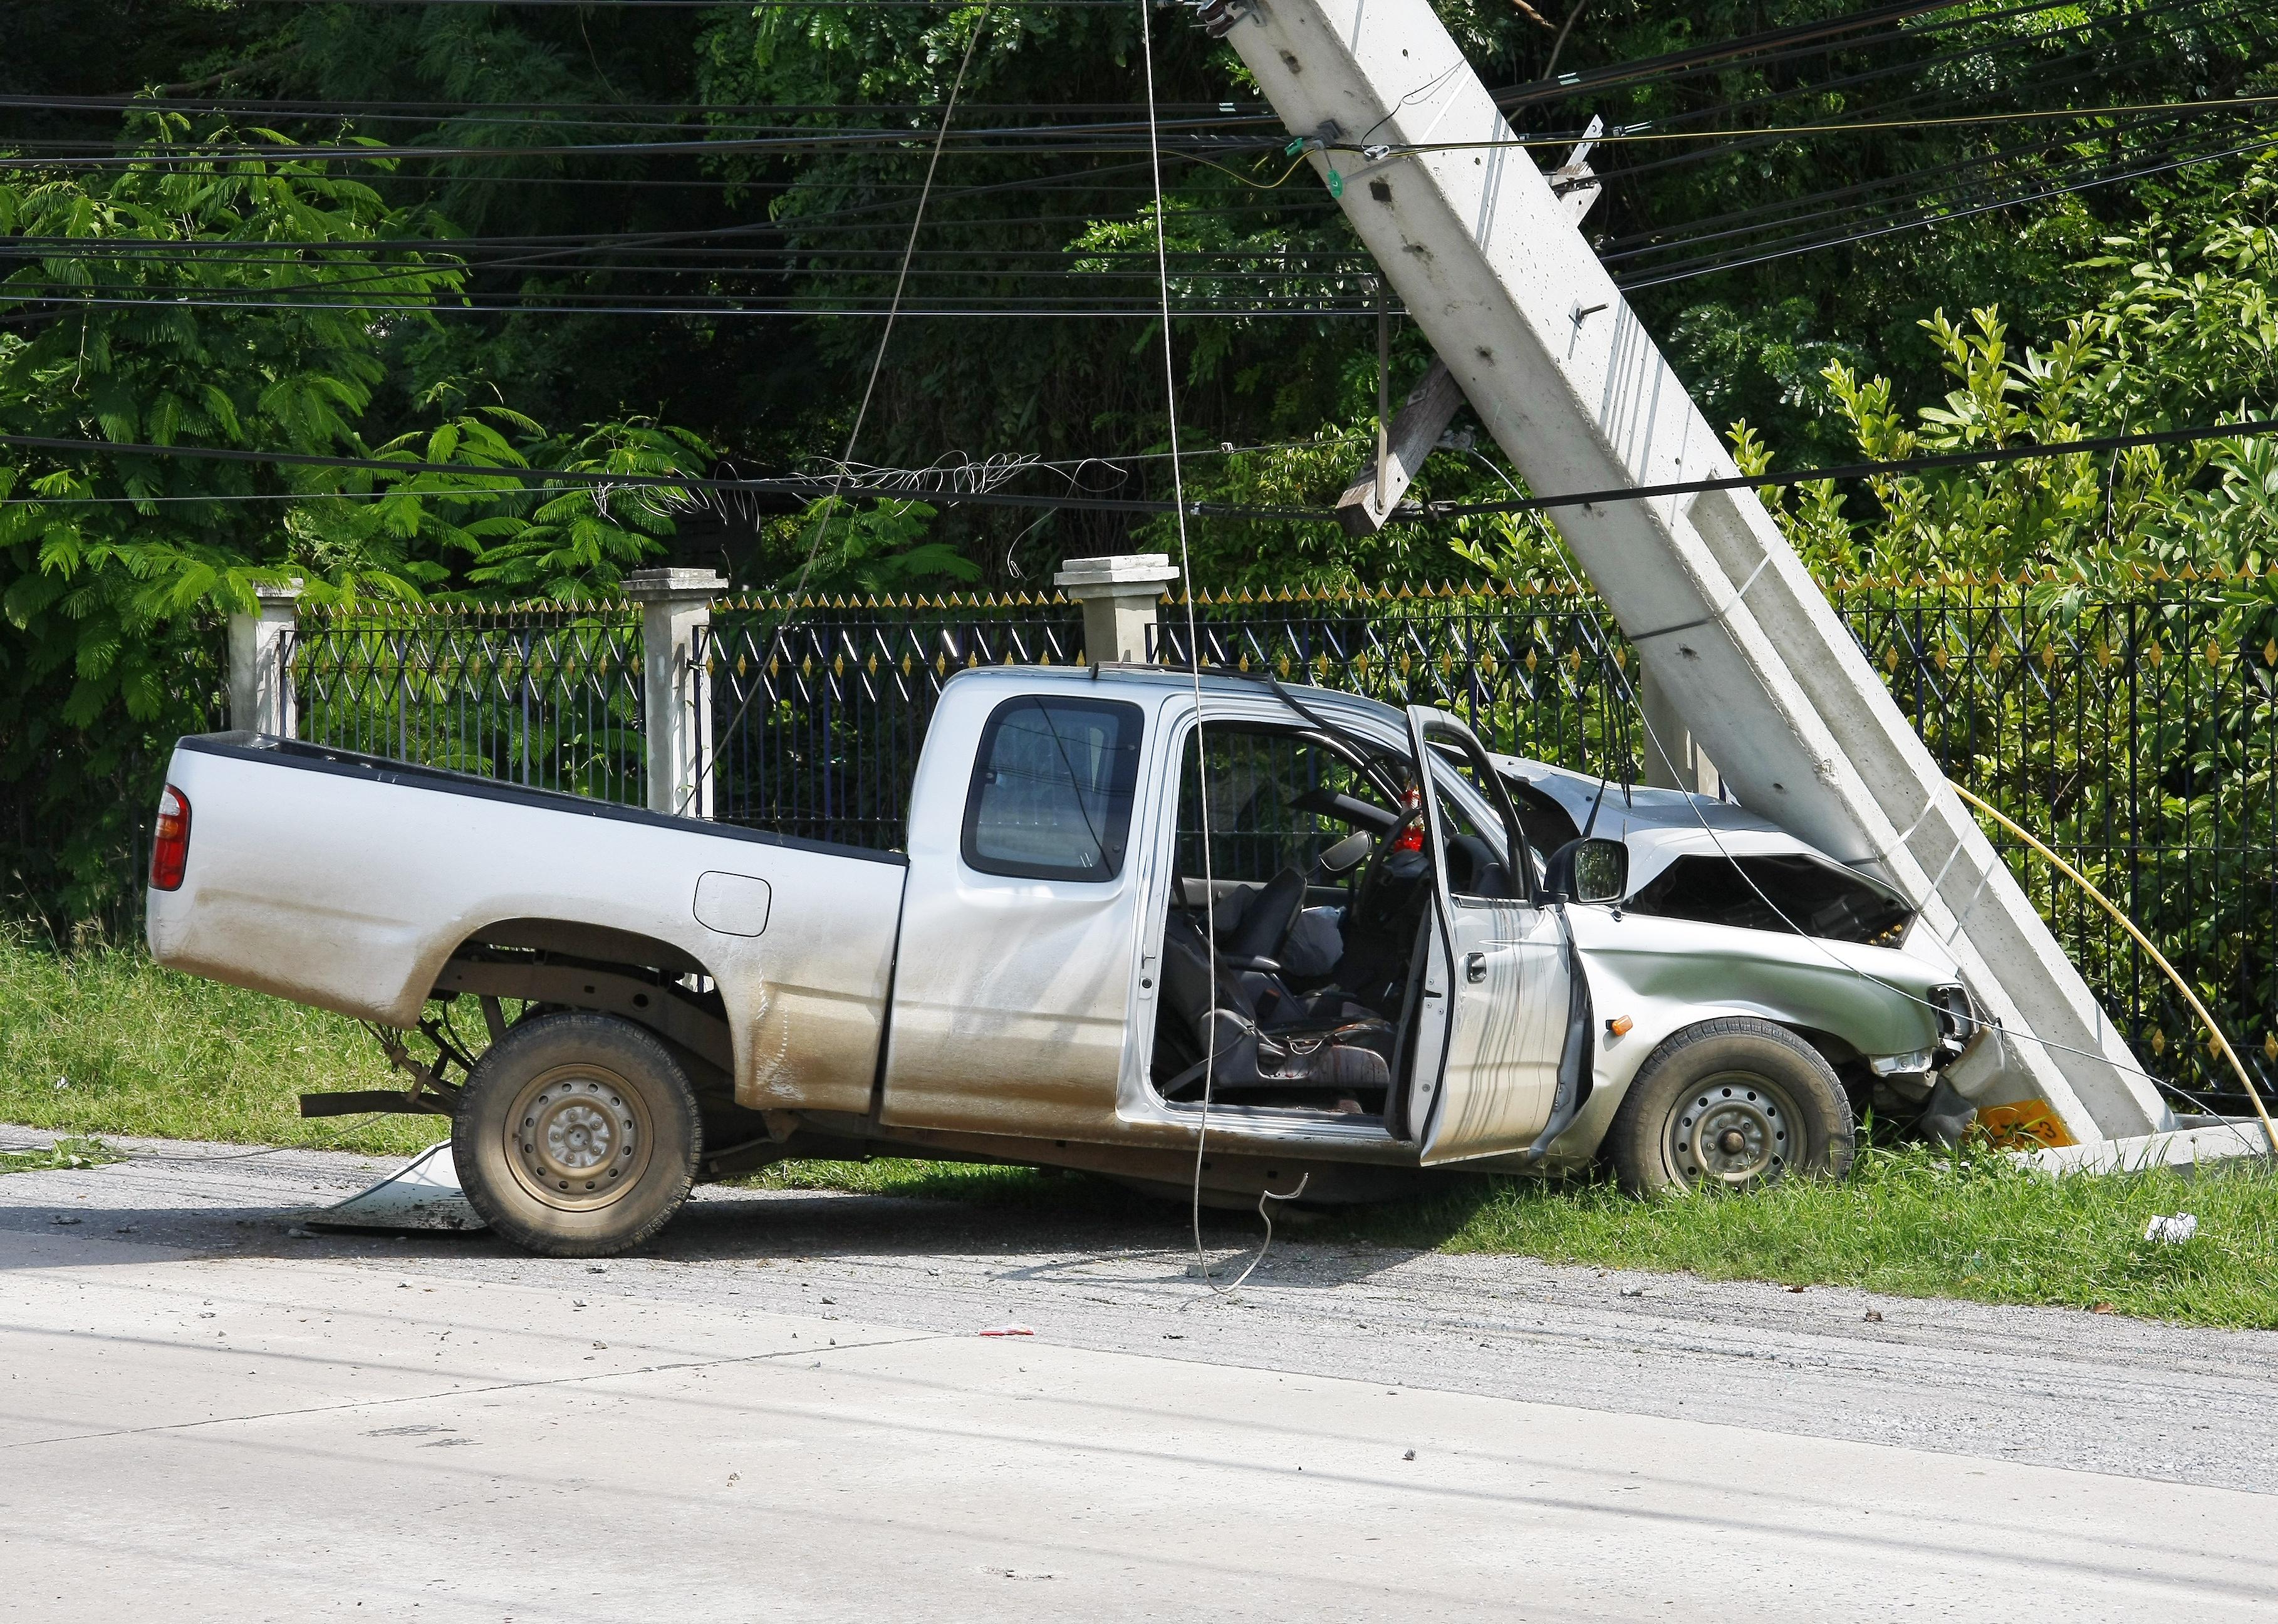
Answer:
(1169, 678)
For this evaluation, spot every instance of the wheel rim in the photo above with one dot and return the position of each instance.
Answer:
(1733, 1129)
(577, 1138)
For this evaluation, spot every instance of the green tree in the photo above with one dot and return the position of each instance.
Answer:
(239, 307)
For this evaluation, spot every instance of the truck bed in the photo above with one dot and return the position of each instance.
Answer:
(349, 882)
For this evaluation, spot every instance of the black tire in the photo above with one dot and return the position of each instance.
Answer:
(1771, 1099)
(577, 1136)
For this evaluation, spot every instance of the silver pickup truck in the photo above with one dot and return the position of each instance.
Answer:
(1362, 944)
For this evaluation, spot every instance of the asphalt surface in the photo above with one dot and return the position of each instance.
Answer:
(207, 1410)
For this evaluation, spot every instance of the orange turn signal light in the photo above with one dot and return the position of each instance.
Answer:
(1618, 1026)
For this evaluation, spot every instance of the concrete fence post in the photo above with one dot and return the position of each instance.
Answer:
(1119, 594)
(675, 606)
(260, 675)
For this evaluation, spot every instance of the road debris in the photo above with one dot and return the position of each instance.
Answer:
(1008, 1330)
(2172, 1231)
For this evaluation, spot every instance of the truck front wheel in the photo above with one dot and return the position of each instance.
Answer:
(1733, 1103)
(577, 1136)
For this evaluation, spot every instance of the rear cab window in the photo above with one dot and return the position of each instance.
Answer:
(1053, 788)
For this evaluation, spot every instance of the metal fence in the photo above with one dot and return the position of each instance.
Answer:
(548, 694)
(1533, 671)
(2134, 731)
(2135, 727)
(819, 706)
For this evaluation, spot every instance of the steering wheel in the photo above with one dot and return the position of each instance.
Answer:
(1372, 879)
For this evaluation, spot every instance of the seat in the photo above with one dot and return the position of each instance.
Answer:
(1257, 933)
(1254, 1034)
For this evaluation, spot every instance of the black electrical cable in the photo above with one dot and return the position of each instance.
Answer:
(573, 478)
(1757, 49)
(1702, 268)
(1805, 206)
(1743, 262)
(63, 296)
(2051, 70)
(1872, 208)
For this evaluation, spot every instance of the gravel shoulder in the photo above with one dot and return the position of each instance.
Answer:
(2045, 1387)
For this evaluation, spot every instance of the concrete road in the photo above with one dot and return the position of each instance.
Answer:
(788, 1412)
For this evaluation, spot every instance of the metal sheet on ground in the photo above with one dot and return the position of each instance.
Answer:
(424, 1194)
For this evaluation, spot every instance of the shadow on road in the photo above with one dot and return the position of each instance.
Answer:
(1037, 1227)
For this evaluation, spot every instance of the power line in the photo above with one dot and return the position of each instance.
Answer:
(976, 144)
(1770, 46)
(1850, 202)
(1847, 126)
(2048, 69)
(1902, 468)
(65, 296)
(1067, 467)
(1743, 261)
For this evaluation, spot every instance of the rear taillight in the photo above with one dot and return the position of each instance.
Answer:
(169, 844)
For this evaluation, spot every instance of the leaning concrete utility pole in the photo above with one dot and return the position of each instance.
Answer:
(1730, 627)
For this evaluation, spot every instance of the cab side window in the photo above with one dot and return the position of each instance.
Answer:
(1052, 787)
(1474, 854)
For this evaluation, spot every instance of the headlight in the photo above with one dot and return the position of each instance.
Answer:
(1957, 1018)
(1894, 1065)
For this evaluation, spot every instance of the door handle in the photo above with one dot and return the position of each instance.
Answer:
(1475, 968)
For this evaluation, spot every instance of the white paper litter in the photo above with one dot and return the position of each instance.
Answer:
(2172, 1231)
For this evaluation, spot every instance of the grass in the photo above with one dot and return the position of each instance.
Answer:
(139, 1050)
(1914, 1223)
(104, 1041)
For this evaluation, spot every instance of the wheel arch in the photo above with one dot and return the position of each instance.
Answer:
(580, 965)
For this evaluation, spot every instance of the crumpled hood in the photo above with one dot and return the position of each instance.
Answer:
(1658, 825)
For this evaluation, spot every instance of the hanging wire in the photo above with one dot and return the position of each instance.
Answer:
(877, 361)
(1202, 753)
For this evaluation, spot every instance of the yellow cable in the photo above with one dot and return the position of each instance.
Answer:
(2142, 941)
(1254, 182)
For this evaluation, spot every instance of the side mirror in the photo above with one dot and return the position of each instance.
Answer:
(1588, 870)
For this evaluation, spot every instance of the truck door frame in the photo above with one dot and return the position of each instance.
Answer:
(1500, 1075)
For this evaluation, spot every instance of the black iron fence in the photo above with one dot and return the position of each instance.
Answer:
(2134, 731)
(819, 707)
(546, 694)
(2134, 726)
(1533, 671)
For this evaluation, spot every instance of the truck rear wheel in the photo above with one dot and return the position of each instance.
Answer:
(577, 1136)
(1734, 1103)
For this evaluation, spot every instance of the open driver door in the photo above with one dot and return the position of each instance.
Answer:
(1514, 1064)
